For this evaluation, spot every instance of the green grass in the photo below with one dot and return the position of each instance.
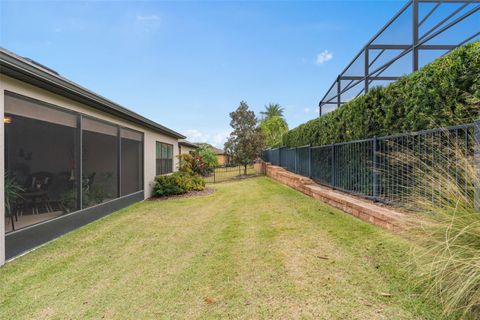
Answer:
(229, 173)
(253, 249)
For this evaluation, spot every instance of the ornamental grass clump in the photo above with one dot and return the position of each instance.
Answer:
(446, 255)
(449, 261)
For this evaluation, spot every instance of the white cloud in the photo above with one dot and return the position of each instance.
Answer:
(324, 56)
(193, 135)
(306, 110)
(216, 139)
(147, 23)
(152, 17)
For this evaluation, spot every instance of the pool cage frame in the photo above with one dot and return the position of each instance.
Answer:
(372, 51)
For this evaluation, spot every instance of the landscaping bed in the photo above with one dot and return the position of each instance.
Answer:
(189, 194)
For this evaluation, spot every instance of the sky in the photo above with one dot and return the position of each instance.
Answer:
(187, 65)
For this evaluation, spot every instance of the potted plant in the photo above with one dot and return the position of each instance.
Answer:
(12, 192)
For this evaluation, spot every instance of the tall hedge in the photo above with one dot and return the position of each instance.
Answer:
(443, 93)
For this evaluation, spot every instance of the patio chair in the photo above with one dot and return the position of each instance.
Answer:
(36, 191)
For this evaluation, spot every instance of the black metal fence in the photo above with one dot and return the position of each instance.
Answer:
(222, 174)
(394, 169)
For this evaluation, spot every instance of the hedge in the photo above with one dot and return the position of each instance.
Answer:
(444, 92)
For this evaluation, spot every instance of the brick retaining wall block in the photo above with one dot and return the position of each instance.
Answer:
(361, 208)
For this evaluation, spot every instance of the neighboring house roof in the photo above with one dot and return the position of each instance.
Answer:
(187, 143)
(219, 151)
(32, 72)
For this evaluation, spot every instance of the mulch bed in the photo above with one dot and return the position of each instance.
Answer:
(236, 178)
(245, 176)
(190, 194)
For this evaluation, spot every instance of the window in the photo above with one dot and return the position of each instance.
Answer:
(164, 158)
(41, 149)
(132, 161)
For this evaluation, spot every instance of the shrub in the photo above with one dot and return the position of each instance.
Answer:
(193, 164)
(205, 151)
(440, 94)
(185, 163)
(198, 183)
(170, 185)
(177, 183)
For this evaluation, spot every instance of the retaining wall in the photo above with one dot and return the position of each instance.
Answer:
(360, 208)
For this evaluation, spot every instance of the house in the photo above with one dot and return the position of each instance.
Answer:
(222, 157)
(69, 156)
(185, 147)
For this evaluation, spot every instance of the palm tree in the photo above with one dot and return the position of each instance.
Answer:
(271, 110)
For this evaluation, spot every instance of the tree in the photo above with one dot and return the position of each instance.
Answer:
(246, 141)
(273, 129)
(272, 110)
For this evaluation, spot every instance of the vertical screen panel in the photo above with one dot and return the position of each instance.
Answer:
(40, 162)
(50, 161)
(100, 162)
(131, 161)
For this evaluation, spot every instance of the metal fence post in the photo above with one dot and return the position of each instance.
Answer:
(476, 141)
(280, 156)
(333, 173)
(375, 167)
(295, 158)
(309, 161)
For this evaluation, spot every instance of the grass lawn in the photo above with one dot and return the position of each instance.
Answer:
(229, 173)
(253, 249)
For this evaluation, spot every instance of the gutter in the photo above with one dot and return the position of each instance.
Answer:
(187, 144)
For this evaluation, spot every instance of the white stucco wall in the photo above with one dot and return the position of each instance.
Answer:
(186, 149)
(150, 136)
(150, 157)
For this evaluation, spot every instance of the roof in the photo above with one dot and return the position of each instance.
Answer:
(218, 151)
(187, 143)
(32, 72)
(389, 55)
